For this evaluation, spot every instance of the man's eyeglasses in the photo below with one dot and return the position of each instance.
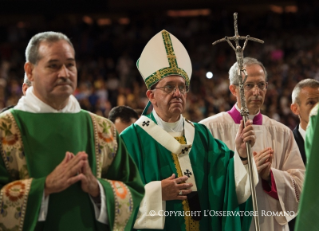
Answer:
(171, 88)
(249, 86)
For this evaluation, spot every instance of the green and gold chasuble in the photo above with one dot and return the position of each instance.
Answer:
(33, 144)
(213, 167)
(307, 218)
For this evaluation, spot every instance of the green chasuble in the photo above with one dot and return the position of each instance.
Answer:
(33, 144)
(308, 217)
(213, 167)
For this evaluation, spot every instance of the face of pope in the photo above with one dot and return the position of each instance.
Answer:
(169, 106)
(54, 76)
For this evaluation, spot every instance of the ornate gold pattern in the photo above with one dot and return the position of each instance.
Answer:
(105, 148)
(181, 140)
(123, 204)
(15, 191)
(173, 68)
(12, 146)
(13, 200)
(190, 224)
(13, 196)
(105, 143)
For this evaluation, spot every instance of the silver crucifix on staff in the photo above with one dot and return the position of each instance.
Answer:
(244, 110)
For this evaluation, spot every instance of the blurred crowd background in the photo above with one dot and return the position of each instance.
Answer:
(107, 50)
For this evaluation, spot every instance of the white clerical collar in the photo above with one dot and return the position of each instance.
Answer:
(31, 103)
(251, 117)
(302, 132)
(169, 127)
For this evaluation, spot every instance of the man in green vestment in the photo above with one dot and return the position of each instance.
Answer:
(308, 218)
(193, 181)
(62, 168)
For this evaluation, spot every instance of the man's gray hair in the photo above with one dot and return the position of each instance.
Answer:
(312, 83)
(247, 62)
(31, 52)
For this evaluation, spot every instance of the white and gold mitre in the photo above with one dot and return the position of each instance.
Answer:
(164, 55)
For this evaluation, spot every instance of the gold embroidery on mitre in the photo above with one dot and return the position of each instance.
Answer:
(173, 68)
(190, 223)
(158, 76)
(171, 56)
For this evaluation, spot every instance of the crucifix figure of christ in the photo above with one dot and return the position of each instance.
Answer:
(239, 51)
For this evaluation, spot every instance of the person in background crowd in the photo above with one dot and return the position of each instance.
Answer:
(122, 117)
(26, 84)
(304, 97)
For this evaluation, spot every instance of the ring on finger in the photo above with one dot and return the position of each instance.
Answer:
(180, 192)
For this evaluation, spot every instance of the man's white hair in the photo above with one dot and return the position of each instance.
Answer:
(246, 62)
(312, 83)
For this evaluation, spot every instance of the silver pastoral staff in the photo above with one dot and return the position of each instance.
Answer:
(244, 111)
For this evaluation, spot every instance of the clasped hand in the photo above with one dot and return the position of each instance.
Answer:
(72, 169)
(263, 162)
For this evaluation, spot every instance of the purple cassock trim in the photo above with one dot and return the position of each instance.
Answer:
(235, 114)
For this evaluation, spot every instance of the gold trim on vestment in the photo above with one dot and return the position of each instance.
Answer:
(190, 223)
(105, 140)
(14, 195)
